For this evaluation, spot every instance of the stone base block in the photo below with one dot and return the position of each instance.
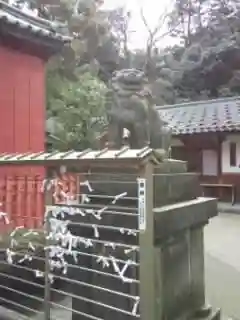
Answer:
(214, 315)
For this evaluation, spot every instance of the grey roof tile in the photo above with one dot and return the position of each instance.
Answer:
(40, 27)
(220, 115)
(106, 154)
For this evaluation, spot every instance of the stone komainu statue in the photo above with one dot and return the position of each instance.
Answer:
(130, 107)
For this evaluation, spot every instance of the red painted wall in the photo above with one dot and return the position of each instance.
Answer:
(191, 152)
(22, 102)
(22, 129)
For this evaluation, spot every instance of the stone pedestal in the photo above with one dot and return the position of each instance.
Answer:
(179, 220)
(179, 255)
(208, 315)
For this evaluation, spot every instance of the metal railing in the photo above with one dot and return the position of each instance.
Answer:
(85, 262)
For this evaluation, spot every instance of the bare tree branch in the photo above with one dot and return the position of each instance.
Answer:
(153, 37)
(165, 34)
(161, 21)
(145, 21)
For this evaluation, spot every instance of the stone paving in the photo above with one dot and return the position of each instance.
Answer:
(226, 207)
(222, 247)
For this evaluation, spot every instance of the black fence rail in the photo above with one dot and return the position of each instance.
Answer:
(84, 261)
(22, 270)
(100, 240)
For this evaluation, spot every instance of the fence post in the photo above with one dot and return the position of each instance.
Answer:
(146, 236)
(47, 283)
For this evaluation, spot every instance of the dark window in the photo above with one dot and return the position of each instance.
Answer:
(233, 154)
(178, 153)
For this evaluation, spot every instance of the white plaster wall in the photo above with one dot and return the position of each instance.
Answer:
(226, 168)
(209, 163)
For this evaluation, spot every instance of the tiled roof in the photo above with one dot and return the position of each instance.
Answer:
(12, 16)
(220, 115)
(87, 155)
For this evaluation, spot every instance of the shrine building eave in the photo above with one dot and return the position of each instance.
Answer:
(219, 115)
(17, 27)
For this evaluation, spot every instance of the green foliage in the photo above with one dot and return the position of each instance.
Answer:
(78, 109)
(75, 93)
(209, 53)
(23, 242)
(23, 236)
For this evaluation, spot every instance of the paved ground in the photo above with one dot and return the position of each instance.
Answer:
(222, 245)
(225, 207)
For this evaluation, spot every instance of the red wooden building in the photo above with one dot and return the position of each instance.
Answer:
(26, 44)
(206, 134)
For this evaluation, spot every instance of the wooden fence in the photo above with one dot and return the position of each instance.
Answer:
(22, 197)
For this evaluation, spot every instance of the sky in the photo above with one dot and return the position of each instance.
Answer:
(152, 10)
